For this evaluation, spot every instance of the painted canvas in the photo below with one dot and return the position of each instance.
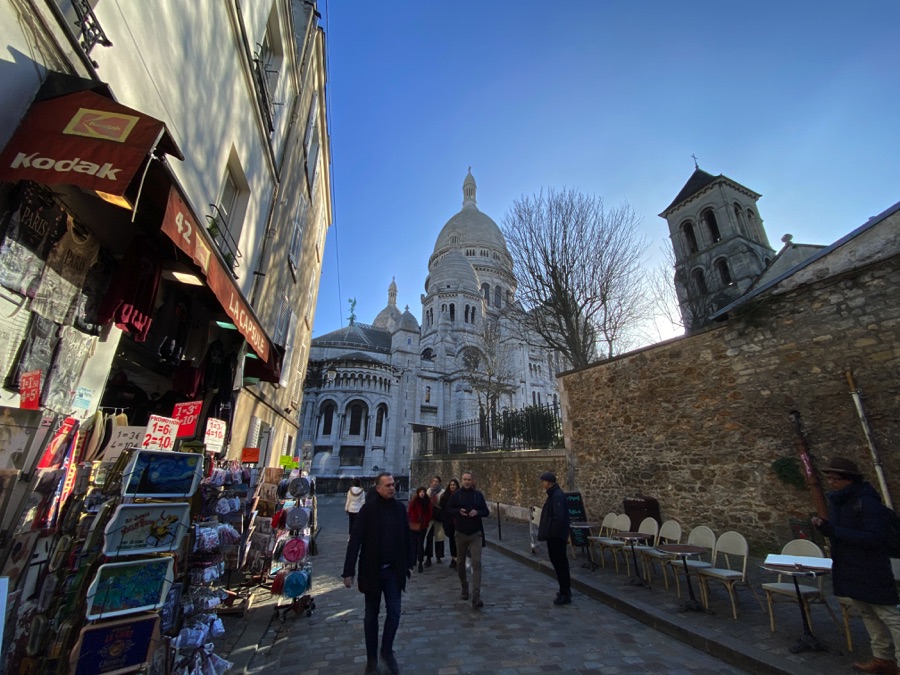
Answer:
(122, 588)
(160, 473)
(146, 528)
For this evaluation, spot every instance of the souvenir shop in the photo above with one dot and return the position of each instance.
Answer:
(124, 342)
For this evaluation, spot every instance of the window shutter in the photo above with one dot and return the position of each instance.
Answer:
(297, 390)
(311, 121)
(288, 349)
(282, 322)
(297, 236)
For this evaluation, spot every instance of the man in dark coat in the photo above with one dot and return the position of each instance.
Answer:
(467, 507)
(382, 542)
(858, 528)
(554, 529)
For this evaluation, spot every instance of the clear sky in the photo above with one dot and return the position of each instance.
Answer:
(796, 100)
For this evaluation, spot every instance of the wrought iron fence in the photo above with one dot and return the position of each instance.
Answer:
(536, 427)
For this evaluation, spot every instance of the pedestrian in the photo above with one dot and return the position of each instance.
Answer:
(434, 539)
(449, 528)
(554, 529)
(858, 526)
(467, 507)
(382, 543)
(419, 519)
(355, 498)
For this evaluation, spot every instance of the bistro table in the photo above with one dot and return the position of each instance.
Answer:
(629, 538)
(587, 527)
(683, 551)
(806, 642)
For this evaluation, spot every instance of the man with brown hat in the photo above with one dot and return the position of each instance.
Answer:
(858, 528)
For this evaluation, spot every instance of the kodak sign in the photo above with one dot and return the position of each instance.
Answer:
(82, 139)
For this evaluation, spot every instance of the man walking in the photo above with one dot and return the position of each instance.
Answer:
(554, 529)
(858, 527)
(382, 542)
(467, 507)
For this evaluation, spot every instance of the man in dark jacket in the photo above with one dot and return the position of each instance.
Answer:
(554, 529)
(857, 526)
(467, 507)
(382, 542)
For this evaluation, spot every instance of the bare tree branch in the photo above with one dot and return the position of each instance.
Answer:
(488, 363)
(578, 264)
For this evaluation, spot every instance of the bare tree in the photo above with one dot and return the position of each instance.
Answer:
(488, 365)
(579, 267)
(678, 297)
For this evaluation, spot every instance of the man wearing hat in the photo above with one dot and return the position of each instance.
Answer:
(858, 528)
(554, 529)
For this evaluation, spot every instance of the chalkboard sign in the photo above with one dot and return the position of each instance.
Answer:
(577, 514)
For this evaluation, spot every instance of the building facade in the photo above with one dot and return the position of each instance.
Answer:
(224, 209)
(371, 386)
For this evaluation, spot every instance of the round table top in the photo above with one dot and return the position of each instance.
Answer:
(583, 524)
(795, 570)
(637, 536)
(681, 549)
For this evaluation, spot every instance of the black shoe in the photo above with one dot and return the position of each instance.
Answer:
(420, 567)
(477, 604)
(464, 595)
(563, 600)
(372, 666)
(391, 662)
(440, 561)
(428, 562)
(452, 564)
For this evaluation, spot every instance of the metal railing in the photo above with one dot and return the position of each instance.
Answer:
(537, 427)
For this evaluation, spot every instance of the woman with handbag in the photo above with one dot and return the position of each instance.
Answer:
(419, 518)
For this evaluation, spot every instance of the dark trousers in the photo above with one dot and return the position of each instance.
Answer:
(432, 547)
(451, 538)
(560, 561)
(352, 517)
(390, 587)
(419, 541)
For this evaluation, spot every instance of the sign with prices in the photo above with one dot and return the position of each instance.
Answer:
(30, 390)
(187, 415)
(215, 434)
(160, 433)
(250, 455)
(122, 438)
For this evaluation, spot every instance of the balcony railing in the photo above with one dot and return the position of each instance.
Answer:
(91, 32)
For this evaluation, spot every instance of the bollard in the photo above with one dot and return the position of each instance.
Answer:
(499, 524)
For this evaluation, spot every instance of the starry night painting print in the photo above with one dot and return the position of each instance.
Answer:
(161, 473)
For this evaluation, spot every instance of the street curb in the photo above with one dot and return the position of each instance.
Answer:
(715, 644)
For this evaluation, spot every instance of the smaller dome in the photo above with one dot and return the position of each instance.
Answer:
(453, 272)
(387, 318)
(408, 321)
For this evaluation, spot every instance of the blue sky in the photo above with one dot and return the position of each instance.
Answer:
(796, 100)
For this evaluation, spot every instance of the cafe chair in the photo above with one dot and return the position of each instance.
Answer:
(669, 533)
(703, 536)
(785, 589)
(622, 523)
(650, 527)
(605, 531)
(733, 548)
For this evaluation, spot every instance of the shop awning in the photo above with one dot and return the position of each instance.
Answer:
(83, 138)
(180, 225)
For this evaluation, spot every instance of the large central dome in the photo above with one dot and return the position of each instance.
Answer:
(470, 228)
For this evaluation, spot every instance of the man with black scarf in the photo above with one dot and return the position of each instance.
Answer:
(382, 542)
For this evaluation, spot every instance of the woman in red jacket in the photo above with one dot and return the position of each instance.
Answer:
(419, 517)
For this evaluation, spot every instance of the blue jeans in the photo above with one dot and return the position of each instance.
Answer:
(390, 586)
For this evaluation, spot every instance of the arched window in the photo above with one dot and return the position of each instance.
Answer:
(452, 312)
(724, 274)
(467, 314)
(357, 413)
(710, 219)
(508, 298)
(428, 354)
(379, 420)
(699, 282)
(751, 223)
(486, 293)
(498, 296)
(690, 237)
(327, 418)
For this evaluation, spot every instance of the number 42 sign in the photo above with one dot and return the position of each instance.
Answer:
(160, 433)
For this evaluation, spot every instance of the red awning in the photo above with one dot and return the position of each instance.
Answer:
(83, 139)
(180, 225)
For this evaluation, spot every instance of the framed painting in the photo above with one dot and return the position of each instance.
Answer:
(146, 528)
(115, 647)
(161, 473)
(122, 588)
